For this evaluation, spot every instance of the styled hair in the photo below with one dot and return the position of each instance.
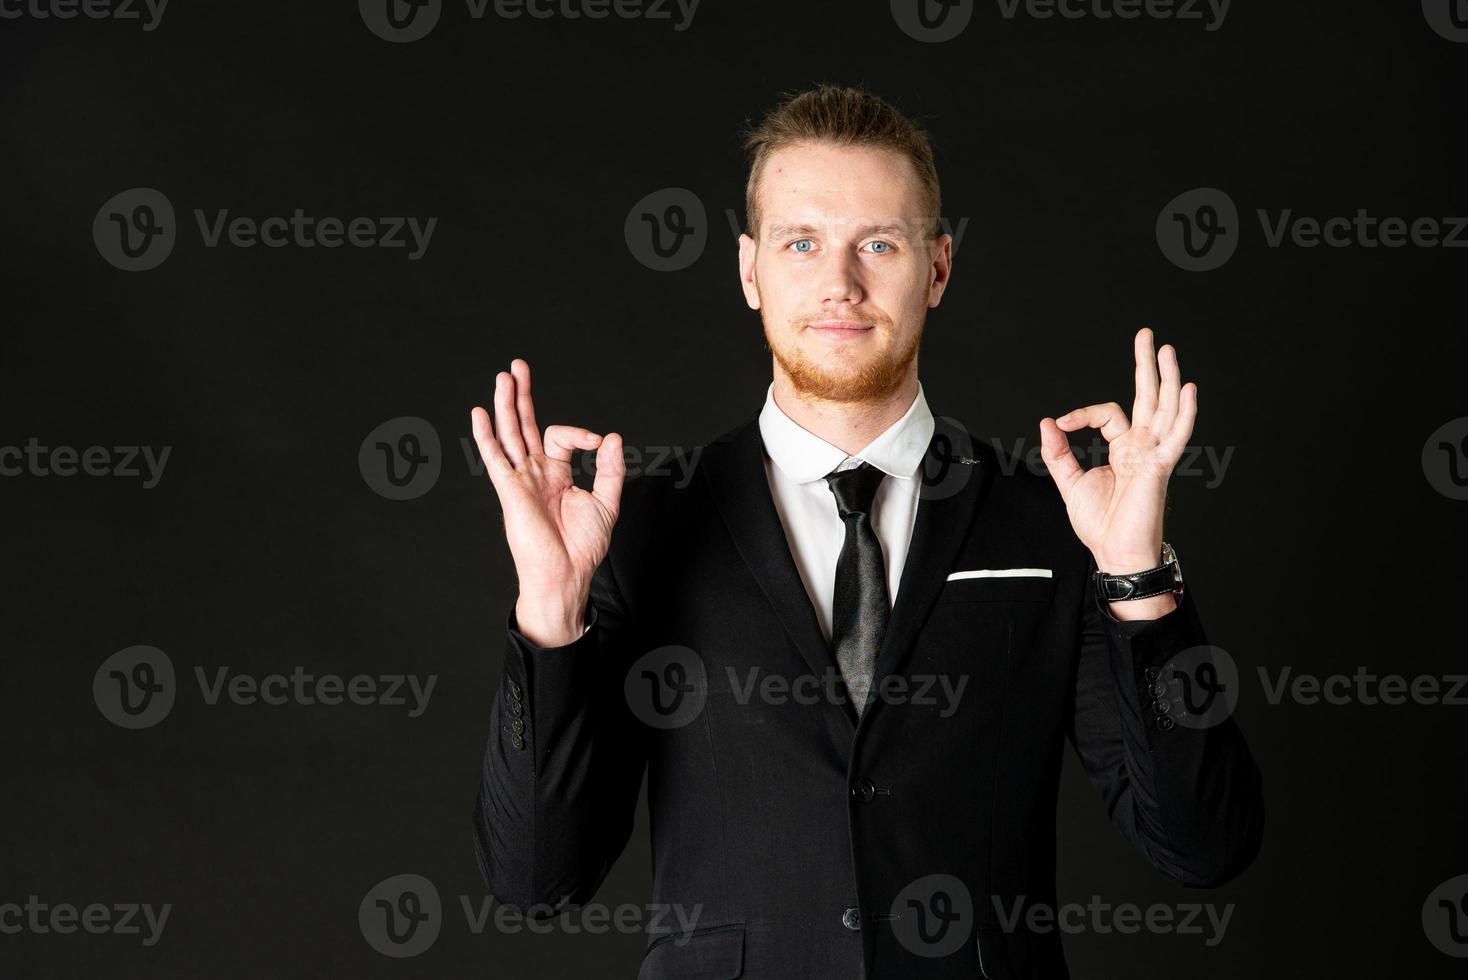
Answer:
(844, 116)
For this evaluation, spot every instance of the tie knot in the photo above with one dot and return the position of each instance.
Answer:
(855, 489)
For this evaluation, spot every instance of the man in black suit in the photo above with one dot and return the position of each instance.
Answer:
(849, 652)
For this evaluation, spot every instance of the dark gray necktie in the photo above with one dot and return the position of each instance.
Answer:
(859, 613)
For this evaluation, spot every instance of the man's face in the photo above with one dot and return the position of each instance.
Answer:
(842, 271)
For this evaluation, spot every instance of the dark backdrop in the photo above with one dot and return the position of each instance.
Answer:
(271, 541)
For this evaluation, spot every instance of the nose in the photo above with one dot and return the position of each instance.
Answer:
(841, 278)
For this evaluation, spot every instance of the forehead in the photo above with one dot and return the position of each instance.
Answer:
(822, 183)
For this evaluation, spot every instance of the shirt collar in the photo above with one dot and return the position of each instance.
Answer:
(805, 456)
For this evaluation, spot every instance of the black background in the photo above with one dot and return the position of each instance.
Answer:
(262, 548)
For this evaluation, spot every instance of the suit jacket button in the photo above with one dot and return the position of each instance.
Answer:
(851, 919)
(517, 741)
(864, 790)
(1165, 723)
(1151, 673)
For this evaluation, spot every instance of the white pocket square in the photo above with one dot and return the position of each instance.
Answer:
(1001, 573)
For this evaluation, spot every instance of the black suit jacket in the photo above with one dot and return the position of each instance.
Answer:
(809, 844)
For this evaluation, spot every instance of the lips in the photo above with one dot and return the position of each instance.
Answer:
(840, 328)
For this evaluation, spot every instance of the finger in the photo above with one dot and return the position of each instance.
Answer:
(1167, 398)
(1107, 417)
(520, 371)
(1177, 437)
(1145, 402)
(506, 419)
(489, 448)
(611, 469)
(1059, 460)
(560, 440)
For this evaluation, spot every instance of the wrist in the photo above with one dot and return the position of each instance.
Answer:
(550, 622)
(1126, 564)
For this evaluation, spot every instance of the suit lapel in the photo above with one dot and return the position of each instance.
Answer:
(957, 472)
(735, 469)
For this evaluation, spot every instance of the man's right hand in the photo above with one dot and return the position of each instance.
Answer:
(558, 533)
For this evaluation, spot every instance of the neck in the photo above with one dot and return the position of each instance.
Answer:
(848, 425)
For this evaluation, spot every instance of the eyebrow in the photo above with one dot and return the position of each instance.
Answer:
(783, 229)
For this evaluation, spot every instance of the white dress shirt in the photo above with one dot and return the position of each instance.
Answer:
(796, 463)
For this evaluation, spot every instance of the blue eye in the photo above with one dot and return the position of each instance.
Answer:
(803, 241)
(885, 247)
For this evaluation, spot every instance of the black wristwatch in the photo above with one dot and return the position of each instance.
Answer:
(1167, 577)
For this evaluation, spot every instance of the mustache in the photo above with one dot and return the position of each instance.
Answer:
(867, 319)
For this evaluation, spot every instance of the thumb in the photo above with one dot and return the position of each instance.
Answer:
(1059, 460)
(611, 470)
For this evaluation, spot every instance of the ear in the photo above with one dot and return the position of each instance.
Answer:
(941, 269)
(747, 250)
